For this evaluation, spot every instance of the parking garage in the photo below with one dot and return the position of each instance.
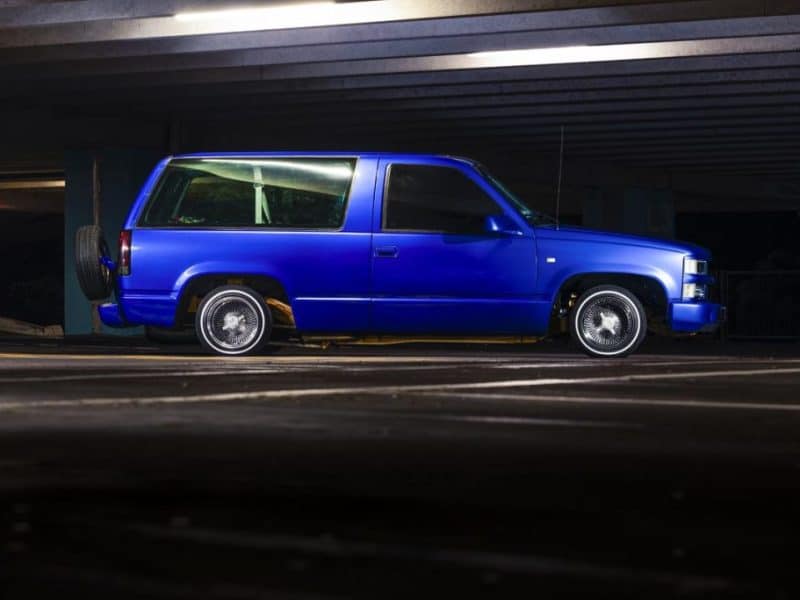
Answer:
(381, 471)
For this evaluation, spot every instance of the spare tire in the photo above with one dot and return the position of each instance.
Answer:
(94, 276)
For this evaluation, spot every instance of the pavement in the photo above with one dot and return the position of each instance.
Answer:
(131, 470)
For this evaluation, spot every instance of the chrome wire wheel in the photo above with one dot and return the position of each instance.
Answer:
(233, 321)
(608, 321)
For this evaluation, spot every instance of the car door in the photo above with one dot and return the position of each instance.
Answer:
(436, 269)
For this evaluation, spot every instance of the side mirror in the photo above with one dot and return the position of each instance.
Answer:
(501, 224)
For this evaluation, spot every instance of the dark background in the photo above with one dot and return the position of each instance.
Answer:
(32, 271)
(700, 146)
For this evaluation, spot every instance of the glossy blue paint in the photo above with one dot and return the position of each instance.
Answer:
(502, 224)
(583, 251)
(362, 279)
(693, 316)
(455, 284)
(111, 316)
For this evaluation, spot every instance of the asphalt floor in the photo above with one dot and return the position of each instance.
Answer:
(132, 470)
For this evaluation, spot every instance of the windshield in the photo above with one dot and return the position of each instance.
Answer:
(533, 216)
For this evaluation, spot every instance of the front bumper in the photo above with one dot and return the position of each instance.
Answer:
(695, 316)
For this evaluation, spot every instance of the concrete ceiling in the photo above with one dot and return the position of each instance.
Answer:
(698, 86)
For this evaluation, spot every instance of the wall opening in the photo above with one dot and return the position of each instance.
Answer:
(32, 247)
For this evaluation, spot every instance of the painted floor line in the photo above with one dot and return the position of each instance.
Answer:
(327, 391)
(301, 367)
(429, 553)
(489, 420)
(546, 398)
(138, 375)
(605, 363)
(260, 359)
(399, 358)
(285, 368)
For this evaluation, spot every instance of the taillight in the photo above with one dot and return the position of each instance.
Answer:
(124, 262)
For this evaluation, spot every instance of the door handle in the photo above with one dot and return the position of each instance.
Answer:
(386, 252)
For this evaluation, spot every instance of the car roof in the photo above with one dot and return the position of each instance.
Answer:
(305, 153)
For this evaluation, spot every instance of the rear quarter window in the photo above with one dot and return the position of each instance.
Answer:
(305, 193)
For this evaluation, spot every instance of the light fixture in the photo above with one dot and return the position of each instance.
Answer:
(566, 55)
(32, 184)
(290, 16)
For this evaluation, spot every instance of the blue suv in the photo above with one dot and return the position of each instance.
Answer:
(252, 247)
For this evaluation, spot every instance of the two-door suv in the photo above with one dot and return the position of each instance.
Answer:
(251, 247)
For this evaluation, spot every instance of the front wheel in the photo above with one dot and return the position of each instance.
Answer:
(608, 322)
(233, 321)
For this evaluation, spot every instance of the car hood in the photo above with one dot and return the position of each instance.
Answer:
(567, 233)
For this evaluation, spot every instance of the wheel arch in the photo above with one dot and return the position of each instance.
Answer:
(197, 286)
(648, 288)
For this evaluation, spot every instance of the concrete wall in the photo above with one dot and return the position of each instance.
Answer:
(122, 173)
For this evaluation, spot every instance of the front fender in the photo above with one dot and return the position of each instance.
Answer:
(554, 281)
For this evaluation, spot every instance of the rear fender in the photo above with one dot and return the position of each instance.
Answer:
(226, 269)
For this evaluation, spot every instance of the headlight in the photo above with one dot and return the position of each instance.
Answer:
(692, 266)
(695, 291)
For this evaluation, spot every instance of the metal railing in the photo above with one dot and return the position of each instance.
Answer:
(761, 304)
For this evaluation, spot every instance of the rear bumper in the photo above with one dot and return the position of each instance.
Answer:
(695, 316)
(111, 315)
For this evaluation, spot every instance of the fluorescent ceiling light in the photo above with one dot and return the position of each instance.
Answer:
(32, 184)
(569, 54)
(290, 16)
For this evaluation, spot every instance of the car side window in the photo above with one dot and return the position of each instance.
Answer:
(269, 192)
(435, 199)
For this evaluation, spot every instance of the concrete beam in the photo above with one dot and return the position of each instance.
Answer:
(549, 13)
(488, 33)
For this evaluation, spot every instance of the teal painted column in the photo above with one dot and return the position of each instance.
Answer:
(77, 212)
(122, 172)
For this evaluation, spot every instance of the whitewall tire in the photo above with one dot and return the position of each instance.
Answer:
(233, 321)
(608, 322)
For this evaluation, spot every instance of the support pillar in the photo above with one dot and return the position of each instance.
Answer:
(120, 173)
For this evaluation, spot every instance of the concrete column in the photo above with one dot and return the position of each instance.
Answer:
(122, 172)
(77, 212)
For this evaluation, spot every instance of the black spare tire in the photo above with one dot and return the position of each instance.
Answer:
(94, 277)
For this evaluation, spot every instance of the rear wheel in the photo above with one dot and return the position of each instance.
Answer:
(233, 321)
(94, 276)
(608, 321)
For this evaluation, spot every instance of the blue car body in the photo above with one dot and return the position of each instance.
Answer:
(363, 278)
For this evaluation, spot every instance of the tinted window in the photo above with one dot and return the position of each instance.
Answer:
(426, 198)
(269, 192)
